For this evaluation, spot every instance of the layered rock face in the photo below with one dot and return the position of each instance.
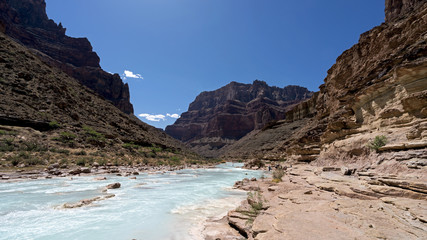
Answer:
(26, 21)
(376, 88)
(218, 118)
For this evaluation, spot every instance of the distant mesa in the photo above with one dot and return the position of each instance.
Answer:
(219, 118)
(27, 22)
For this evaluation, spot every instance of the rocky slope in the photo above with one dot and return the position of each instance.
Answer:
(376, 88)
(26, 21)
(43, 112)
(218, 118)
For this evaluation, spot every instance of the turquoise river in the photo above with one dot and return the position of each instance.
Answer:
(162, 206)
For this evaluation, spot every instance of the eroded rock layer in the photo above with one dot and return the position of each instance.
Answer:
(376, 88)
(218, 118)
(27, 22)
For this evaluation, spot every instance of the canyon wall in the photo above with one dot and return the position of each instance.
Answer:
(26, 21)
(218, 118)
(376, 88)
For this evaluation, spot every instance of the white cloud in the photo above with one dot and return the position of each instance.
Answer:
(173, 115)
(130, 74)
(153, 117)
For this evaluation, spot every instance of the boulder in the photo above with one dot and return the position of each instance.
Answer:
(75, 171)
(113, 186)
(347, 171)
(52, 166)
(85, 170)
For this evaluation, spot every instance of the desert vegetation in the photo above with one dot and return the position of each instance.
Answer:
(27, 148)
(377, 142)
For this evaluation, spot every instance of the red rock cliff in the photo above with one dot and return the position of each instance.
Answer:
(220, 117)
(27, 22)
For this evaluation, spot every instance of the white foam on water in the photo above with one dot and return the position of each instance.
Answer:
(198, 214)
(152, 207)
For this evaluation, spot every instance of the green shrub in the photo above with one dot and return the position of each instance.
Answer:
(99, 154)
(34, 147)
(379, 141)
(91, 132)
(150, 154)
(8, 141)
(102, 162)
(15, 161)
(61, 151)
(174, 160)
(256, 204)
(93, 137)
(81, 153)
(24, 155)
(256, 163)
(155, 149)
(6, 145)
(277, 175)
(54, 124)
(66, 137)
(11, 133)
(130, 146)
(81, 162)
(33, 161)
(63, 162)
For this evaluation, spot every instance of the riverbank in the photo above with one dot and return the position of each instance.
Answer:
(55, 170)
(328, 203)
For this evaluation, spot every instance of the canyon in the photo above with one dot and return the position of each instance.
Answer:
(219, 118)
(351, 158)
(336, 179)
(376, 88)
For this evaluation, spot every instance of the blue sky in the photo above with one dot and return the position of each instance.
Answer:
(175, 49)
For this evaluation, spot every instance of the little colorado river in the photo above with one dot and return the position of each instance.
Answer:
(160, 206)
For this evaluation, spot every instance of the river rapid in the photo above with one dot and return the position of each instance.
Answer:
(162, 206)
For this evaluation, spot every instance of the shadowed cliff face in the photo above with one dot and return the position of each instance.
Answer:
(378, 87)
(220, 117)
(27, 22)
